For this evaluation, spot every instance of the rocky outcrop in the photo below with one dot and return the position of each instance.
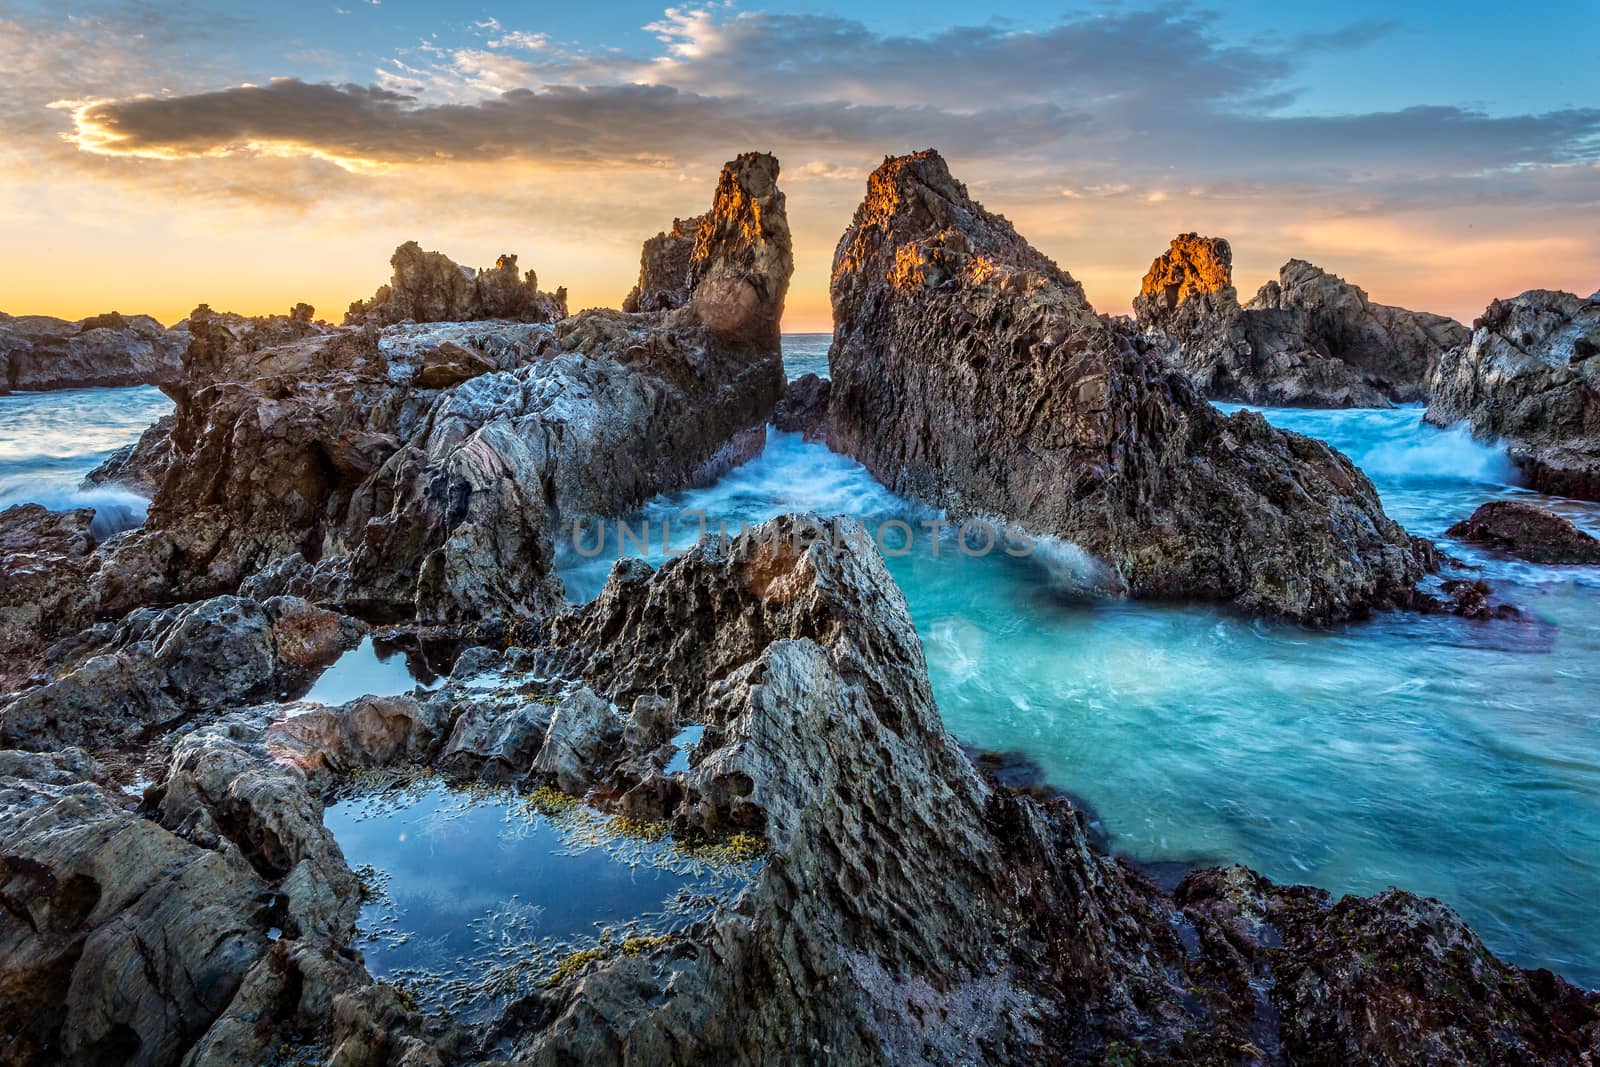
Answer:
(1308, 339)
(804, 407)
(664, 268)
(910, 909)
(906, 909)
(1530, 376)
(422, 471)
(968, 371)
(140, 466)
(158, 666)
(431, 287)
(195, 930)
(44, 583)
(1527, 532)
(39, 353)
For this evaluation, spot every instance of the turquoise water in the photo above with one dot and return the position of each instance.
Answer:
(49, 441)
(1453, 758)
(1448, 757)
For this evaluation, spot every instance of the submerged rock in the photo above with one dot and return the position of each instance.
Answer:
(1308, 339)
(431, 287)
(969, 371)
(1527, 532)
(39, 353)
(1530, 376)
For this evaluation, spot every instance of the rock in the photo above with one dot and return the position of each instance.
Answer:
(430, 287)
(1530, 376)
(420, 472)
(1527, 532)
(664, 268)
(367, 732)
(140, 466)
(804, 407)
(969, 372)
(911, 910)
(202, 930)
(123, 942)
(1308, 339)
(39, 353)
(581, 732)
(44, 583)
(160, 666)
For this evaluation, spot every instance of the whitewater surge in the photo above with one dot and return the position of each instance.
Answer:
(1452, 758)
(50, 441)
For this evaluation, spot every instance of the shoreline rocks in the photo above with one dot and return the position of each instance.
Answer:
(1527, 532)
(420, 471)
(969, 372)
(431, 287)
(1307, 339)
(39, 353)
(1530, 376)
(907, 907)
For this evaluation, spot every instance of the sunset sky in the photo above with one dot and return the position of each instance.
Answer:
(153, 156)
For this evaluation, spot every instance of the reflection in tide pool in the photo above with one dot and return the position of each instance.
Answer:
(1453, 758)
(366, 671)
(479, 896)
(49, 441)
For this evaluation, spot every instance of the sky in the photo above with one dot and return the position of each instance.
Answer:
(154, 156)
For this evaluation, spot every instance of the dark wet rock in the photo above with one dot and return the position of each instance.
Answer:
(804, 407)
(664, 268)
(431, 287)
(44, 576)
(205, 932)
(969, 372)
(422, 472)
(1466, 597)
(911, 909)
(39, 353)
(1308, 339)
(140, 466)
(160, 666)
(1527, 532)
(1530, 376)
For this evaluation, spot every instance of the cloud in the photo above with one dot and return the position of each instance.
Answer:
(1114, 97)
(1101, 134)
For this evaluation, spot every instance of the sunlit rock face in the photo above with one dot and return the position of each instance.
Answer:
(418, 471)
(664, 269)
(431, 287)
(39, 353)
(969, 371)
(1531, 375)
(1308, 339)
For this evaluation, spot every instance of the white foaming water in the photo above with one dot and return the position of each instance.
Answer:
(1448, 757)
(49, 441)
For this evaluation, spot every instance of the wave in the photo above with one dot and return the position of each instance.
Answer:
(115, 509)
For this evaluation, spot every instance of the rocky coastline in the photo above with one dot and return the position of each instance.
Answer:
(1307, 339)
(40, 354)
(170, 892)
